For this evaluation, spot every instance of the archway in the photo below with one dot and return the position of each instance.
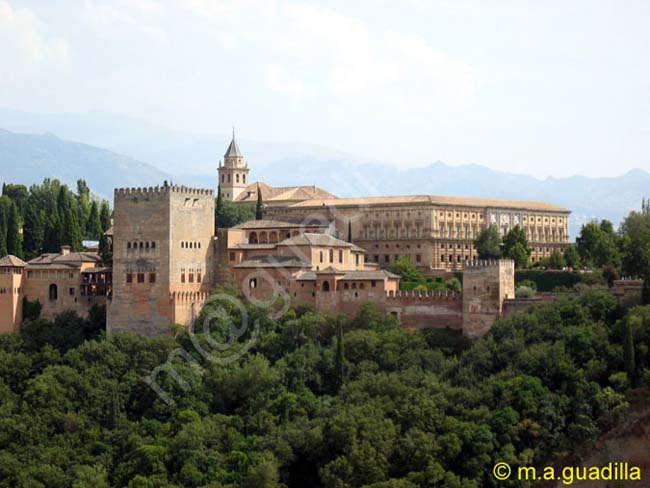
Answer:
(326, 286)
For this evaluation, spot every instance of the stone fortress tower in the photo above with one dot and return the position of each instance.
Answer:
(162, 257)
(233, 173)
(486, 285)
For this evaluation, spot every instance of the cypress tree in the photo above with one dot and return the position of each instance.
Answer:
(340, 357)
(14, 241)
(3, 228)
(52, 234)
(628, 352)
(105, 250)
(70, 230)
(218, 211)
(33, 229)
(105, 216)
(83, 205)
(94, 225)
(259, 205)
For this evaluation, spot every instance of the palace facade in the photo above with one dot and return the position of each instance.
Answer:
(311, 248)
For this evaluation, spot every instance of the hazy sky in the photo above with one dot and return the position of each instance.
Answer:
(539, 87)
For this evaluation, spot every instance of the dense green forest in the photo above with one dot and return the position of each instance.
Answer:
(317, 401)
(50, 215)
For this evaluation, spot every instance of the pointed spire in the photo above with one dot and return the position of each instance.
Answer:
(233, 149)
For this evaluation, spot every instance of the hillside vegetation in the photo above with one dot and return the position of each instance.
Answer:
(317, 400)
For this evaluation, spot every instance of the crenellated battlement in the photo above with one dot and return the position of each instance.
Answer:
(488, 263)
(188, 296)
(161, 190)
(428, 295)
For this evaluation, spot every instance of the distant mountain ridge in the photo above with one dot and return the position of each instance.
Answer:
(158, 153)
(29, 158)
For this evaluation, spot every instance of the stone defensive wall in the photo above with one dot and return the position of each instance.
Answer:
(186, 305)
(426, 309)
(161, 190)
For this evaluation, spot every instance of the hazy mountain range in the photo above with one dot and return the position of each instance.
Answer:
(114, 151)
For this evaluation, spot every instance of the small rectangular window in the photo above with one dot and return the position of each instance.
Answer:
(152, 277)
(198, 277)
(182, 277)
(191, 277)
(140, 277)
(71, 291)
(232, 256)
(129, 278)
(418, 258)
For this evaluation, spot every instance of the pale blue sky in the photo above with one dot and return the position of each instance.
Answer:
(545, 88)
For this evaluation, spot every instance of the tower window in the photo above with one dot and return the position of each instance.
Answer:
(182, 277)
(152, 277)
(140, 277)
(237, 178)
(243, 177)
(129, 278)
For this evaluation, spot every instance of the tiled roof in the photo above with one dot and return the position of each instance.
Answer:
(428, 200)
(244, 245)
(369, 275)
(331, 270)
(271, 194)
(273, 262)
(312, 239)
(233, 150)
(69, 260)
(12, 261)
(273, 224)
(305, 276)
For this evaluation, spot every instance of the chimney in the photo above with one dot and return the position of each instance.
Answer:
(65, 250)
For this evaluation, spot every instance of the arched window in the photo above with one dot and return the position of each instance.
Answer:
(222, 178)
(237, 178)
(141, 246)
(243, 178)
(263, 238)
(54, 292)
(128, 245)
(361, 286)
(331, 255)
(146, 245)
(252, 238)
(354, 286)
(345, 286)
(228, 178)
(321, 256)
(153, 245)
(326, 286)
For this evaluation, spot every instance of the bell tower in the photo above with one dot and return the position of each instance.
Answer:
(233, 173)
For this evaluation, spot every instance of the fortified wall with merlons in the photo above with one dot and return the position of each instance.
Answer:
(310, 247)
